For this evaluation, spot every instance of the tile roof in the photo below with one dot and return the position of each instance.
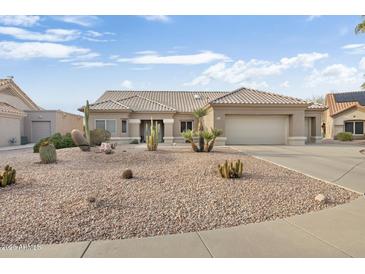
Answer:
(188, 101)
(179, 101)
(5, 108)
(251, 96)
(339, 102)
(132, 103)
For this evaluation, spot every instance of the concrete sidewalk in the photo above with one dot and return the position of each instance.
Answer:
(334, 232)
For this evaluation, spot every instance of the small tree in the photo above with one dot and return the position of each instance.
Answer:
(199, 114)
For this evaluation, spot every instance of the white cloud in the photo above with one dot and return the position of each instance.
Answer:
(362, 64)
(249, 70)
(285, 84)
(354, 48)
(19, 20)
(158, 18)
(146, 52)
(28, 50)
(127, 84)
(93, 64)
(81, 20)
(312, 17)
(334, 74)
(188, 59)
(254, 85)
(50, 35)
(87, 56)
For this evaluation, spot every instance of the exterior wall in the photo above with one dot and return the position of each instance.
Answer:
(118, 116)
(12, 126)
(7, 97)
(178, 118)
(66, 122)
(338, 121)
(315, 124)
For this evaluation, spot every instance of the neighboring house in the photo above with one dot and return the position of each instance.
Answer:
(246, 116)
(20, 117)
(346, 113)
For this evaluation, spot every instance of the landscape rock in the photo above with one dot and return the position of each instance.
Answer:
(321, 198)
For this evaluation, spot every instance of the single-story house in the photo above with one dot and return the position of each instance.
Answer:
(345, 113)
(22, 119)
(246, 116)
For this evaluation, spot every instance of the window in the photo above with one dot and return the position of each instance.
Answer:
(109, 125)
(124, 126)
(354, 127)
(186, 125)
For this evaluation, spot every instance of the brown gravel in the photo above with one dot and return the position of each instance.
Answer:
(83, 196)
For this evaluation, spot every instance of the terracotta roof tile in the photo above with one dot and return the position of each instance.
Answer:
(251, 96)
(337, 107)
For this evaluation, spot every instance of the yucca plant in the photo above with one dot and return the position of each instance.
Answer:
(199, 114)
(152, 139)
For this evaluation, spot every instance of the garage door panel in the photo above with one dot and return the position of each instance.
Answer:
(251, 129)
(40, 129)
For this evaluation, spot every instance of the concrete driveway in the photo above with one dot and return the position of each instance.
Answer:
(340, 164)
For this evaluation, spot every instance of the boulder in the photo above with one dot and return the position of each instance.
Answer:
(320, 198)
(106, 148)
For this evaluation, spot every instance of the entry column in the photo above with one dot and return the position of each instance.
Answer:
(134, 129)
(168, 131)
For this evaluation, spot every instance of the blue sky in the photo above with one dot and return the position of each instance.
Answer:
(62, 61)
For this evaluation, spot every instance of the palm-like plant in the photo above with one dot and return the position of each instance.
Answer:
(360, 28)
(216, 132)
(208, 137)
(189, 136)
(199, 114)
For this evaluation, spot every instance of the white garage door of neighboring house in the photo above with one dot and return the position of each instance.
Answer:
(256, 130)
(40, 129)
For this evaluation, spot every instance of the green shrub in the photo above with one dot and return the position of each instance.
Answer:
(59, 141)
(344, 136)
(134, 142)
(98, 136)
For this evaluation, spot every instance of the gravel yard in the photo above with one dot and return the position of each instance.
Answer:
(174, 191)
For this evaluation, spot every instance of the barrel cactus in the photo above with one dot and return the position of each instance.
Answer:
(7, 177)
(80, 140)
(231, 170)
(47, 152)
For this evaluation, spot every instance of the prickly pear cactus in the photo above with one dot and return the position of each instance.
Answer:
(232, 169)
(47, 153)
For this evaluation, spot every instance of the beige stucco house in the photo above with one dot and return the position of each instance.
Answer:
(345, 113)
(246, 116)
(21, 117)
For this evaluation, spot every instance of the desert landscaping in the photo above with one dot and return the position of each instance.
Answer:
(174, 190)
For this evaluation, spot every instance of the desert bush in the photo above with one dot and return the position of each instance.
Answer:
(127, 174)
(98, 136)
(344, 136)
(58, 140)
(134, 142)
(233, 169)
(7, 177)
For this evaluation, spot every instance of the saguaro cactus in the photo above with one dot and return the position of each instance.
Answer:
(152, 139)
(86, 121)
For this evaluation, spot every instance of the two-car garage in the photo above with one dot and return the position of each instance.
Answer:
(256, 129)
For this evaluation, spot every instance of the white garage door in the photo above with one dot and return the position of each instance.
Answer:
(40, 129)
(256, 130)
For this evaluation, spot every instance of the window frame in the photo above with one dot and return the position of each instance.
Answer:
(186, 121)
(115, 121)
(353, 122)
(126, 126)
